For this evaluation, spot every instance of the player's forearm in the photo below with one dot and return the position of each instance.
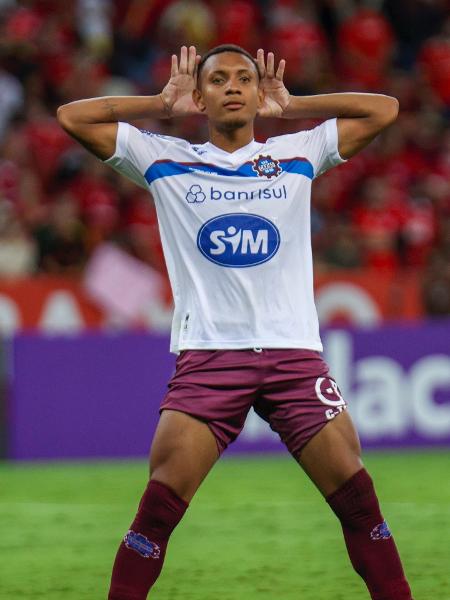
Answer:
(345, 105)
(93, 122)
(111, 109)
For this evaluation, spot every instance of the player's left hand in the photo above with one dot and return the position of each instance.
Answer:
(276, 96)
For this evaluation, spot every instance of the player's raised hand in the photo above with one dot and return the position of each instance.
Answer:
(177, 94)
(276, 96)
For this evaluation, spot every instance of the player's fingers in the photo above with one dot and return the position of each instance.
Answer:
(280, 70)
(270, 64)
(260, 62)
(174, 66)
(197, 60)
(183, 60)
(191, 60)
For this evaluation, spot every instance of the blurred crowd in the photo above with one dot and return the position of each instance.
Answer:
(388, 208)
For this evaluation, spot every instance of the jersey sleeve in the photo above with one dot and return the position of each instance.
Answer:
(135, 152)
(322, 147)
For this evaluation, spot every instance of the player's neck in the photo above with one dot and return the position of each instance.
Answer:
(230, 141)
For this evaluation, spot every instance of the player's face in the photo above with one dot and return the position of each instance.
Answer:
(229, 90)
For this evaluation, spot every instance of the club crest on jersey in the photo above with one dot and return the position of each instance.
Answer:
(266, 166)
(142, 545)
(380, 532)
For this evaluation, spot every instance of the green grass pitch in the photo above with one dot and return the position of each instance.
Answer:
(256, 530)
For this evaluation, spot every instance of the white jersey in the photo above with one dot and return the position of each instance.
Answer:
(236, 235)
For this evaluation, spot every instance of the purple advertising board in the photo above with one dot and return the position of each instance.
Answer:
(97, 395)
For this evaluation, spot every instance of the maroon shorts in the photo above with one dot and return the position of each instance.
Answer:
(291, 389)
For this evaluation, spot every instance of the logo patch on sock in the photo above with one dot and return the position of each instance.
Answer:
(142, 545)
(380, 532)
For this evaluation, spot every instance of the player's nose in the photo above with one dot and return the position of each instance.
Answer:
(232, 88)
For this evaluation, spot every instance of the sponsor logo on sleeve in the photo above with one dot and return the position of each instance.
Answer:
(157, 135)
(238, 240)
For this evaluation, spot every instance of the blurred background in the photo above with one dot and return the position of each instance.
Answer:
(80, 252)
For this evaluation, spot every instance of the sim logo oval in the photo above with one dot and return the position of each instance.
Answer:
(238, 240)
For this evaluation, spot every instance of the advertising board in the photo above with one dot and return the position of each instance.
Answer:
(97, 395)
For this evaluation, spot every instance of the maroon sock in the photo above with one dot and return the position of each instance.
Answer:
(369, 542)
(140, 557)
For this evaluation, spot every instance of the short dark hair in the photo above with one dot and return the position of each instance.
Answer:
(225, 48)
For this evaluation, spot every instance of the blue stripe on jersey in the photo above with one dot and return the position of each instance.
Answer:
(301, 166)
(168, 168)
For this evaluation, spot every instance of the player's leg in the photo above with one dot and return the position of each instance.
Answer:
(332, 460)
(183, 451)
(337, 449)
(214, 387)
(302, 402)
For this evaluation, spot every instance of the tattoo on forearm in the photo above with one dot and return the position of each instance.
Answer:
(111, 106)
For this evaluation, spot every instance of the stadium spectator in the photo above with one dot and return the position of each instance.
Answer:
(413, 21)
(238, 22)
(297, 36)
(11, 99)
(17, 250)
(434, 59)
(378, 217)
(342, 249)
(436, 281)
(62, 240)
(366, 42)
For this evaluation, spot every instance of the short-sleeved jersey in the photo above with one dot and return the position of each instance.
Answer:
(236, 235)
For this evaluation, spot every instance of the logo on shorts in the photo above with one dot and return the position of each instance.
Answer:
(380, 532)
(266, 166)
(328, 392)
(238, 240)
(195, 194)
(142, 545)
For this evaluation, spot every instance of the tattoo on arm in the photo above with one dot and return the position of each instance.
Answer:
(111, 106)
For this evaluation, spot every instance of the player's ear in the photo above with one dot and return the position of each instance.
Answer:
(198, 101)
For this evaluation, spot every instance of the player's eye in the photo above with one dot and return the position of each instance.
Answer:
(217, 80)
(245, 78)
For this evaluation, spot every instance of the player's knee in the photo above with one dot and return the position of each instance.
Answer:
(178, 480)
(160, 509)
(355, 503)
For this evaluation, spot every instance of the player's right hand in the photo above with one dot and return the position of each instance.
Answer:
(177, 94)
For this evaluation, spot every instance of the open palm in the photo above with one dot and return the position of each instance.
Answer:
(276, 96)
(177, 93)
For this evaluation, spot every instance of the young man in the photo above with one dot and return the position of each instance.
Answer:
(235, 228)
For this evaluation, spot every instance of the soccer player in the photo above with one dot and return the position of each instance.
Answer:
(234, 217)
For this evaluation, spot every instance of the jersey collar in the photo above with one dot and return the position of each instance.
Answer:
(249, 148)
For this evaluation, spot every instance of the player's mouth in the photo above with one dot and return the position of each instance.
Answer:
(233, 105)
